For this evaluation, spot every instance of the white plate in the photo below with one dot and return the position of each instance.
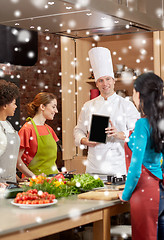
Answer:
(34, 205)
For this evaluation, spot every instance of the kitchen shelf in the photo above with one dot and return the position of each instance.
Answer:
(90, 80)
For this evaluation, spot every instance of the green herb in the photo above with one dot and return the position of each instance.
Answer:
(87, 182)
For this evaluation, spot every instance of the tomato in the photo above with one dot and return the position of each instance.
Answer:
(34, 191)
(52, 196)
(59, 176)
(29, 191)
(19, 194)
(19, 198)
(24, 198)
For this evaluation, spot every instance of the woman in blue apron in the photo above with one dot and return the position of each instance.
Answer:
(144, 158)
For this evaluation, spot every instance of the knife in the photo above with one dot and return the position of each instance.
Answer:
(14, 183)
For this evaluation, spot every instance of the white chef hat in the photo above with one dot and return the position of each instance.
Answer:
(101, 62)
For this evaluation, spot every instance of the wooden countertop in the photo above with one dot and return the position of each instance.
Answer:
(14, 219)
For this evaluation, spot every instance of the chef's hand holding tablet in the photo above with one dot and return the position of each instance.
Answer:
(113, 132)
(85, 141)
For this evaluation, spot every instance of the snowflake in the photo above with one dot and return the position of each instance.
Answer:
(54, 168)
(40, 4)
(161, 125)
(82, 147)
(106, 193)
(24, 36)
(38, 219)
(17, 13)
(96, 176)
(85, 162)
(74, 214)
(78, 184)
(40, 193)
(98, 158)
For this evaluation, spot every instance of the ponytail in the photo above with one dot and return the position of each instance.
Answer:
(41, 98)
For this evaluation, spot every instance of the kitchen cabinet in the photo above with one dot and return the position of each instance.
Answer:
(75, 68)
(76, 71)
(68, 97)
(158, 49)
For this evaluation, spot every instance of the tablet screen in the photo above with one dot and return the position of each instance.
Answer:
(98, 125)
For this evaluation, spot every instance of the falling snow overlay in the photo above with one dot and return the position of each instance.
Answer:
(63, 68)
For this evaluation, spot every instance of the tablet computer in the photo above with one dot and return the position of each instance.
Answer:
(97, 131)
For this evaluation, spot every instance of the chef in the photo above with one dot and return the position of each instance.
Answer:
(106, 158)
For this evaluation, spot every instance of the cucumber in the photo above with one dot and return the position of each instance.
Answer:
(11, 193)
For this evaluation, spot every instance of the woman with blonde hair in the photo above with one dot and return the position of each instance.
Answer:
(38, 148)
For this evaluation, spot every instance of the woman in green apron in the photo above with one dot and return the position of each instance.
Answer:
(38, 148)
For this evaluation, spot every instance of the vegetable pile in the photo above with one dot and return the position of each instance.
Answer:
(63, 187)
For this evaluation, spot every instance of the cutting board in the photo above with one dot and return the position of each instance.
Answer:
(104, 194)
(114, 186)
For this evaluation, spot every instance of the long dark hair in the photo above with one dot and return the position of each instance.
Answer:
(150, 87)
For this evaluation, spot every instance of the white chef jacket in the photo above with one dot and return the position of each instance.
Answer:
(108, 158)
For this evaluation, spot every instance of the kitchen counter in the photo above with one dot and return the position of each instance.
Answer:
(18, 223)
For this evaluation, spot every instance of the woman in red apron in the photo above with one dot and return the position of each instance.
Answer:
(144, 158)
(38, 148)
